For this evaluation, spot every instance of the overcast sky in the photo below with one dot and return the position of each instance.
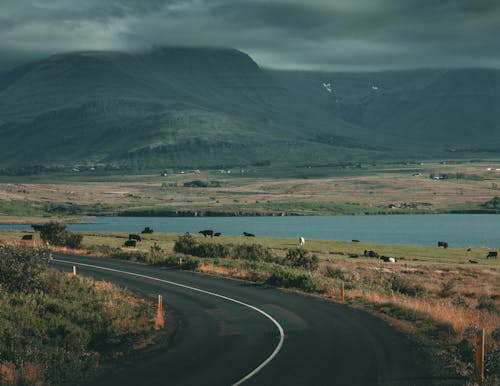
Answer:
(291, 34)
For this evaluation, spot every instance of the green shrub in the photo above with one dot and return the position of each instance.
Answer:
(185, 243)
(254, 252)
(21, 268)
(289, 278)
(188, 262)
(214, 250)
(486, 303)
(56, 233)
(334, 273)
(59, 322)
(300, 258)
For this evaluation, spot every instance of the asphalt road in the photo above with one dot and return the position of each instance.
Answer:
(218, 341)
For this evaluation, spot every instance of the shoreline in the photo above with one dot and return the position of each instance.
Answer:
(19, 220)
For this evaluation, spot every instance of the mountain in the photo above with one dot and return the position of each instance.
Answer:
(211, 107)
(420, 109)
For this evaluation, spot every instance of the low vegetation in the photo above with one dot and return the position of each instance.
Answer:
(55, 328)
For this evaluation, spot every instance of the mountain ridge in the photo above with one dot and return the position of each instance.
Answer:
(205, 106)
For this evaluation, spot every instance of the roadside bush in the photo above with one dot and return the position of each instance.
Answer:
(485, 303)
(188, 262)
(254, 252)
(21, 268)
(403, 286)
(289, 278)
(56, 233)
(334, 273)
(185, 243)
(300, 258)
(52, 325)
(214, 250)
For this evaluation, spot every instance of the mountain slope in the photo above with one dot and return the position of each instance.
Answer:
(438, 109)
(174, 106)
(207, 107)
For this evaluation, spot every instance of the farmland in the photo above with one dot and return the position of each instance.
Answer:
(321, 191)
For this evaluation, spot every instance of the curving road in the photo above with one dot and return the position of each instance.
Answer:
(229, 332)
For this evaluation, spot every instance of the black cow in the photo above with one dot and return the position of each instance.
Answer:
(248, 234)
(492, 254)
(130, 243)
(355, 241)
(207, 232)
(27, 237)
(217, 234)
(443, 244)
(147, 230)
(367, 253)
(134, 237)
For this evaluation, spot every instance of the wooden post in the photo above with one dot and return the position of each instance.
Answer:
(342, 292)
(159, 320)
(74, 270)
(160, 303)
(480, 357)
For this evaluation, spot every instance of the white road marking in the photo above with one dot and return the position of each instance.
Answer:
(278, 326)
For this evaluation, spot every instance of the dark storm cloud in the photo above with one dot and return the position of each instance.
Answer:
(307, 34)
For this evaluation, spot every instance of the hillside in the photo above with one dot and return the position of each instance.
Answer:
(207, 107)
(443, 110)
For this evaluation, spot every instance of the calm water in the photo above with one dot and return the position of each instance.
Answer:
(458, 230)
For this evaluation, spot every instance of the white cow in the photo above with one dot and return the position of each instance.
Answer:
(302, 241)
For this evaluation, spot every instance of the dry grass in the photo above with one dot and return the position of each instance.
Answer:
(465, 298)
(378, 188)
(27, 374)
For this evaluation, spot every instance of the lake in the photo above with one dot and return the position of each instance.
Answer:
(459, 230)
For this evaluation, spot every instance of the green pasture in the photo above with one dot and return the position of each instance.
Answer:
(324, 249)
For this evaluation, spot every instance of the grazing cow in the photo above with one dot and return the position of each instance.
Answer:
(302, 241)
(147, 230)
(134, 237)
(37, 227)
(473, 261)
(355, 241)
(492, 254)
(130, 243)
(217, 234)
(207, 232)
(248, 234)
(443, 244)
(367, 253)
